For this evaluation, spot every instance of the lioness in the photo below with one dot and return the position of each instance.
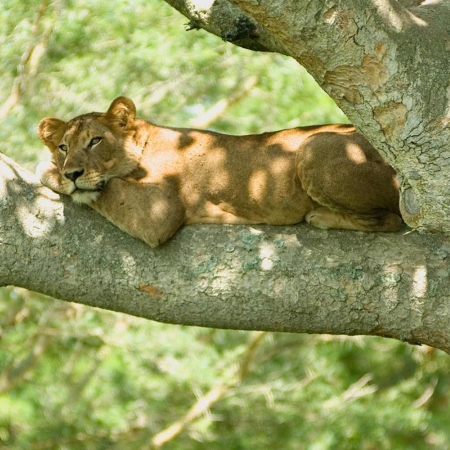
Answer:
(150, 180)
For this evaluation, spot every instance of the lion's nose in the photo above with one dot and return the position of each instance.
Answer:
(73, 175)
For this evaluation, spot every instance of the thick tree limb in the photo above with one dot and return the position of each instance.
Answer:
(385, 63)
(295, 279)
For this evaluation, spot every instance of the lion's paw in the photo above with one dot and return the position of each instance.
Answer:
(49, 176)
(318, 219)
(43, 169)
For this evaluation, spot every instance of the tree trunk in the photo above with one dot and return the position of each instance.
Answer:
(295, 279)
(386, 63)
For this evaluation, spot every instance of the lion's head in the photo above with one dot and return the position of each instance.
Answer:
(93, 148)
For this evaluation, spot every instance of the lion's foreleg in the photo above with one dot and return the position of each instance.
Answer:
(149, 212)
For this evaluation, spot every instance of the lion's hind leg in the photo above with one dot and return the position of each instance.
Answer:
(352, 186)
(325, 219)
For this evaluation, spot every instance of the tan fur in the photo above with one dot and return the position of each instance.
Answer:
(150, 180)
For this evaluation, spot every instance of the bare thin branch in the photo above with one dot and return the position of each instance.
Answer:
(32, 56)
(219, 108)
(204, 403)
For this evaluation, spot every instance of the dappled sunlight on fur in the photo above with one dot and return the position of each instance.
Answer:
(355, 153)
(150, 180)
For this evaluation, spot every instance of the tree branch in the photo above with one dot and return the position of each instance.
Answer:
(225, 20)
(19, 367)
(295, 279)
(218, 109)
(31, 58)
(232, 379)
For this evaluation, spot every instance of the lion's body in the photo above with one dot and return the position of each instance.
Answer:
(150, 180)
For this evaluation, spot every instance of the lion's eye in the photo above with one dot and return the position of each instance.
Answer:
(63, 148)
(94, 141)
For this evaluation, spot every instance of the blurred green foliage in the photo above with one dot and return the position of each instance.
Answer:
(73, 377)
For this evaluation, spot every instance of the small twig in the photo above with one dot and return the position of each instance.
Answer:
(204, 403)
(219, 108)
(427, 394)
(31, 58)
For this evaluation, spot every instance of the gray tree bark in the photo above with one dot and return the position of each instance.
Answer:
(295, 279)
(386, 63)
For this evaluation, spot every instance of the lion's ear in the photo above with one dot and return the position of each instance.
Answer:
(122, 112)
(51, 131)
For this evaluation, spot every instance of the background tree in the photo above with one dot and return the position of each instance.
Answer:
(74, 377)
